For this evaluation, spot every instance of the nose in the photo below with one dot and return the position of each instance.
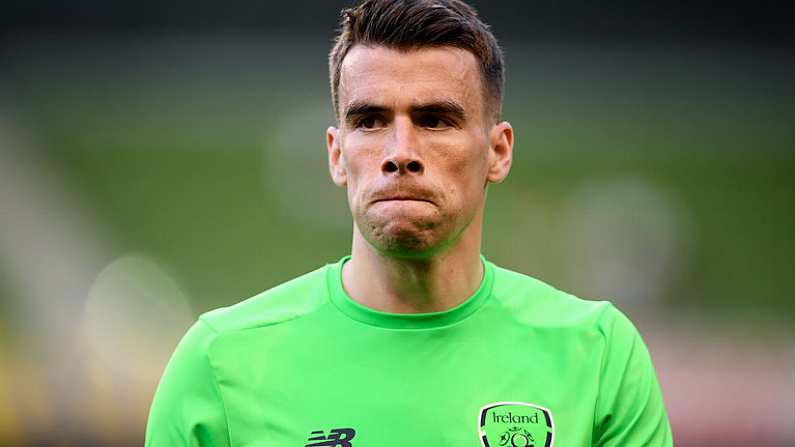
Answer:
(401, 154)
(395, 165)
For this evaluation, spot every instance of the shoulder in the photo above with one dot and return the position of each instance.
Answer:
(193, 366)
(287, 301)
(539, 304)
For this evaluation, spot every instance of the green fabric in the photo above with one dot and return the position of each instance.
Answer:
(303, 359)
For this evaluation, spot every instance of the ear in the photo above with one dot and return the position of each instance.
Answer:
(500, 152)
(336, 162)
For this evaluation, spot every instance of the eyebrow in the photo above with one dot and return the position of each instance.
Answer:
(445, 107)
(357, 108)
(442, 107)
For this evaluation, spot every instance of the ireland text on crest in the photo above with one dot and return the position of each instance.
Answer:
(515, 424)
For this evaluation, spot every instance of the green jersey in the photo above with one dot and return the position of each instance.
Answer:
(519, 363)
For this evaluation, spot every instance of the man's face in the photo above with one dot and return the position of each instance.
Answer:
(414, 146)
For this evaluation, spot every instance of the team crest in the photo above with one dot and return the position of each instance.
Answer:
(515, 424)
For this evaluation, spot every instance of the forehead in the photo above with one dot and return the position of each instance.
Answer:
(394, 77)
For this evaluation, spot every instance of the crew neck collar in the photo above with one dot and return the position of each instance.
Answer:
(367, 315)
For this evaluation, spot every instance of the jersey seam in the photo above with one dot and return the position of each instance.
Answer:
(637, 415)
(221, 333)
(215, 379)
(606, 338)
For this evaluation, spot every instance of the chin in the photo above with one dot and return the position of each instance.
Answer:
(408, 241)
(405, 245)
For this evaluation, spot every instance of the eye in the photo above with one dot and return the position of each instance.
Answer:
(433, 122)
(370, 122)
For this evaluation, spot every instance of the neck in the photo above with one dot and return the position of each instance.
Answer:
(414, 285)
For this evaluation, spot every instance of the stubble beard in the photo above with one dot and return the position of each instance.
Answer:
(404, 237)
(410, 238)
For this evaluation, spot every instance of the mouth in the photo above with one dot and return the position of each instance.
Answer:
(402, 199)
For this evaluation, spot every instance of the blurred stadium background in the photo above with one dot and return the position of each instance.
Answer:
(160, 160)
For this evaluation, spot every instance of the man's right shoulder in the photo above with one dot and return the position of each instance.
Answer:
(284, 302)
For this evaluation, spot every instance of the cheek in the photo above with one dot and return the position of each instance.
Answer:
(360, 164)
(465, 165)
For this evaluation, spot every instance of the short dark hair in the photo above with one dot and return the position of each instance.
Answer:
(412, 24)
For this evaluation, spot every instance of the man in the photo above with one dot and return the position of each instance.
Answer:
(414, 339)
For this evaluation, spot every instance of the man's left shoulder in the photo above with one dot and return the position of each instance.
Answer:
(542, 305)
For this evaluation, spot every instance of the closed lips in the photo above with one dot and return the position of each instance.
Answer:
(403, 198)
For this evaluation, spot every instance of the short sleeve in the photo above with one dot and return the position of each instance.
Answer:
(187, 409)
(629, 409)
